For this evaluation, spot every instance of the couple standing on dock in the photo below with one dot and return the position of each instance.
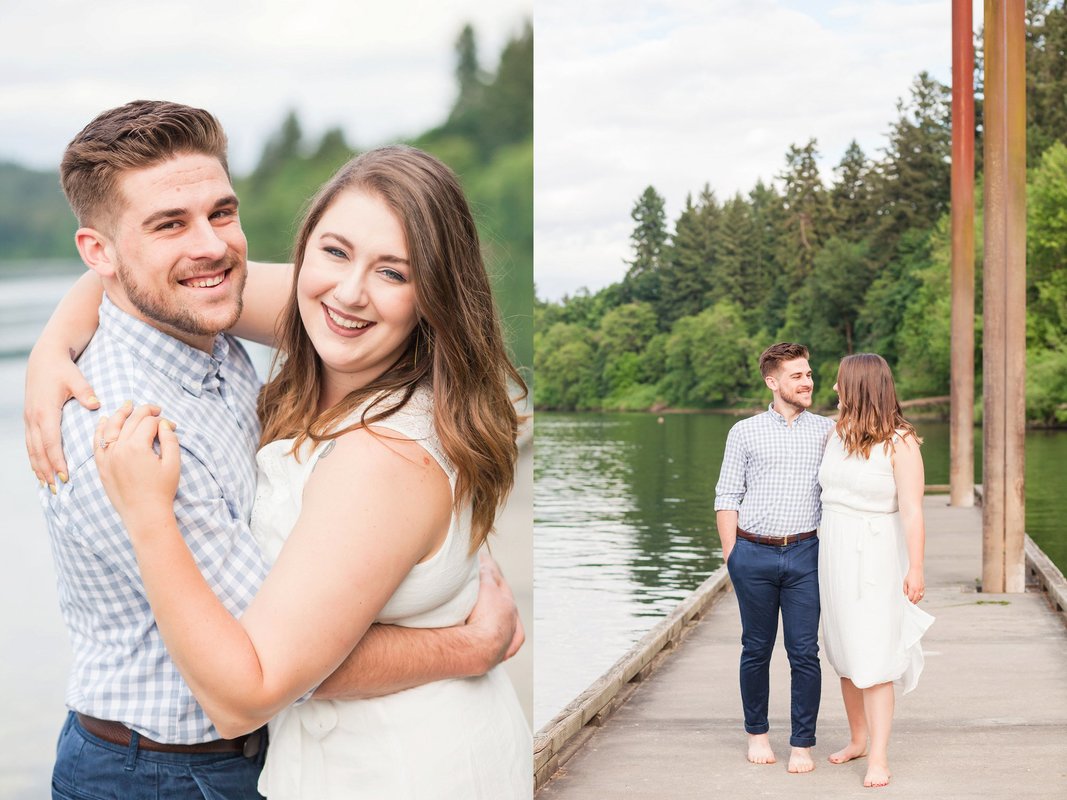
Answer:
(812, 515)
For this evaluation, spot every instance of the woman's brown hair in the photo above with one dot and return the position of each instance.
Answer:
(870, 411)
(457, 345)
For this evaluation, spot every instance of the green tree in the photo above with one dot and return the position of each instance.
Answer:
(886, 300)
(647, 241)
(1046, 77)
(707, 358)
(565, 365)
(911, 190)
(734, 276)
(686, 280)
(807, 210)
(924, 338)
(850, 196)
(765, 298)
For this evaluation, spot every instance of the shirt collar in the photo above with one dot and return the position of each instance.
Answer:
(780, 419)
(194, 369)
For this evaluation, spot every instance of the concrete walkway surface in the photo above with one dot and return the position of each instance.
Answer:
(987, 720)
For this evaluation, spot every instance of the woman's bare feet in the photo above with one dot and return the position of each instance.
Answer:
(847, 753)
(800, 760)
(877, 775)
(759, 749)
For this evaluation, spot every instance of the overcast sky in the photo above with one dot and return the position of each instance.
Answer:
(379, 70)
(679, 93)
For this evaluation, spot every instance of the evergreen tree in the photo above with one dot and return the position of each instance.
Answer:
(469, 78)
(850, 196)
(1046, 77)
(913, 179)
(508, 109)
(807, 208)
(767, 213)
(733, 277)
(282, 147)
(647, 241)
(688, 262)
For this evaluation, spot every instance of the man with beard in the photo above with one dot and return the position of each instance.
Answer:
(149, 185)
(767, 511)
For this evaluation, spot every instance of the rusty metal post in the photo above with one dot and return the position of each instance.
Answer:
(961, 409)
(1004, 302)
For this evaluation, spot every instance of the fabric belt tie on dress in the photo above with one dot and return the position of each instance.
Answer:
(868, 569)
(116, 733)
(775, 541)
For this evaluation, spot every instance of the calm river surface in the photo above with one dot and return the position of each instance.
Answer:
(624, 528)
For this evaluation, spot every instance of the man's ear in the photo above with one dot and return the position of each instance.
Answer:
(96, 251)
(772, 382)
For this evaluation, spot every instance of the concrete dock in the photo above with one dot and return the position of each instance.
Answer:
(988, 719)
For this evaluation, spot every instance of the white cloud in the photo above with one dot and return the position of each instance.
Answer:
(679, 93)
(380, 71)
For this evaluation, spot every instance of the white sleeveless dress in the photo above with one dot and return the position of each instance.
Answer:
(448, 740)
(871, 631)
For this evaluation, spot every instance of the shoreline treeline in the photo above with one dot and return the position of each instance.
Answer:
(855, 262)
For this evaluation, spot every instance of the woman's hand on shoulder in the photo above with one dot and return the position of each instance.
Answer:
(50, 383)
(140, 482)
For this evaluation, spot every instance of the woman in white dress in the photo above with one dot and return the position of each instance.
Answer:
(871, 543)
(388, 444)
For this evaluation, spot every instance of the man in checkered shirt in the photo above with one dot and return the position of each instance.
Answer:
(767, 511)
(149, 185)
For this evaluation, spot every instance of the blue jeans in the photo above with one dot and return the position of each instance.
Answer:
(88, 768)
(768, 580)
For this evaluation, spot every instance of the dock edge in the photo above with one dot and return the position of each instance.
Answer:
(560, 738)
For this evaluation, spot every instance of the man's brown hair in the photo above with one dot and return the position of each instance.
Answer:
(137, 135)
(777, 353)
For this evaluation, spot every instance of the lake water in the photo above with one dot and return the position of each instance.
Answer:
(624, 528)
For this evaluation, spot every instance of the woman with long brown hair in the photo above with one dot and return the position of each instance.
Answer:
(388, 445)
(872, 539)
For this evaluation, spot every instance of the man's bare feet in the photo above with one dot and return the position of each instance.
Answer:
(877, 775)
(759, 749)
(800, 760)
(847, 753)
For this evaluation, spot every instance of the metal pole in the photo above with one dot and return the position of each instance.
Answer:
(1015, 302)
(1004, 301)
(961, 411)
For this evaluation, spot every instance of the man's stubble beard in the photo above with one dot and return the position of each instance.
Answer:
(793, 400)
(168, 312)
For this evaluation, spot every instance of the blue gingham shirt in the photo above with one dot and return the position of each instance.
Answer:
(121, 669)
(770, 473)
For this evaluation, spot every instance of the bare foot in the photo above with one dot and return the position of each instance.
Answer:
(800, 760)
(877, 775)
(848, 752)
(759, 749)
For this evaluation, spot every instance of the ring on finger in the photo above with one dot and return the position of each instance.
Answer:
(105, 443)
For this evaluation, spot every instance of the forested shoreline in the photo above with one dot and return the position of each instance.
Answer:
(857, 262)
(487, 139)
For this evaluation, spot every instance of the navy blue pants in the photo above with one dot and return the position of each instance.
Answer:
(769, 580)
(88, 768)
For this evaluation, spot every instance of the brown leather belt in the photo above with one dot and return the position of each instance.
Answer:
(775, 541)
(116, 733)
